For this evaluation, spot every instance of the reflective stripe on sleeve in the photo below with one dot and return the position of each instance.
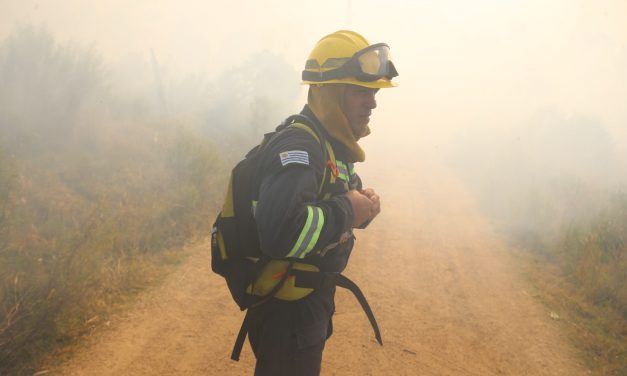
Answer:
(309, 235)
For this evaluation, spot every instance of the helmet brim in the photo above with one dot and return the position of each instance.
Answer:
(378, 84)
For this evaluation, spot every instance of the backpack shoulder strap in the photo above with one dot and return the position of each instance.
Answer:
(303, 122)
(306, 129)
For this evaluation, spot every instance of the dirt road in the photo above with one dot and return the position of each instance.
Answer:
(447, 297)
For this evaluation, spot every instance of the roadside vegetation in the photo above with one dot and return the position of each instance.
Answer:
(580, 272)
(555, 190)
(103, 179)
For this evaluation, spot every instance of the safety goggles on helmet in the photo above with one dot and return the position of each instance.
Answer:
(367, 65)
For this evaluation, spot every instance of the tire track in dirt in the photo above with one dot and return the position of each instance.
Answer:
(442, 285)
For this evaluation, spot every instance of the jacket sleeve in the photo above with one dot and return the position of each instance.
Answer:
(356, 183)
(291, 221)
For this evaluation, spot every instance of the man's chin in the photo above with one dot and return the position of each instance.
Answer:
(365, 130)
(361, 130)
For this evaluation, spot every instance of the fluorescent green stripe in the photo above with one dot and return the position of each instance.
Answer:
(343, 170)
(316, 234)
(310, 233)
(303, 233)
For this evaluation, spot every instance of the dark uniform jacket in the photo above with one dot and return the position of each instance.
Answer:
(294, 220)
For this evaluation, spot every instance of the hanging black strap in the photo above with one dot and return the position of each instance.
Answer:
(243, 330)
(318, 279)
(241, 337)
(310, 280)
(346, 283)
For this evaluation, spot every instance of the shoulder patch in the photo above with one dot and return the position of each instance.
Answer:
(294, 156)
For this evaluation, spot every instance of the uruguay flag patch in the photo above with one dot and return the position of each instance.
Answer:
(294, 156)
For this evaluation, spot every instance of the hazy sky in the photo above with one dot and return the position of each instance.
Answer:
(462, 63)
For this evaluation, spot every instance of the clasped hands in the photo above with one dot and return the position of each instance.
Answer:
(366, 205)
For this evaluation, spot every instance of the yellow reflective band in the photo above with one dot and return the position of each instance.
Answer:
(316, 233)
(221, 246)
(310, 233)
(303, 233)
(324, 179)
(332, 158)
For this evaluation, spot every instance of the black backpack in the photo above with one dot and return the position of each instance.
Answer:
(235, 251)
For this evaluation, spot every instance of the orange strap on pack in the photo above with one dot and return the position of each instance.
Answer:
(332, 166)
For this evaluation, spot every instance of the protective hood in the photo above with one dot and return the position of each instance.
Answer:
(327, 103)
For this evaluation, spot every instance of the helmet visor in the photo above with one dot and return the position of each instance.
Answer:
(369, 64)
(374, 61)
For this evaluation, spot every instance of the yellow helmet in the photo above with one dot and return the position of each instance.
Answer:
(346, 57)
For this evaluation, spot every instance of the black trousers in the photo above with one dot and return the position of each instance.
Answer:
(285, 344)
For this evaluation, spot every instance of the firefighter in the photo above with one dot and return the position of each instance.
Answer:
(344, 73)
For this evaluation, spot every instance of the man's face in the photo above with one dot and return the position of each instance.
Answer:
(358, 105)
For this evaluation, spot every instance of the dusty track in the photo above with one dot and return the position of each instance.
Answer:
(446, 295)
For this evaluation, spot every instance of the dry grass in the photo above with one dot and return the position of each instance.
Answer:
(73, 246)
(98, 188)
(131, 278)
(574, 238)
(598, 331)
